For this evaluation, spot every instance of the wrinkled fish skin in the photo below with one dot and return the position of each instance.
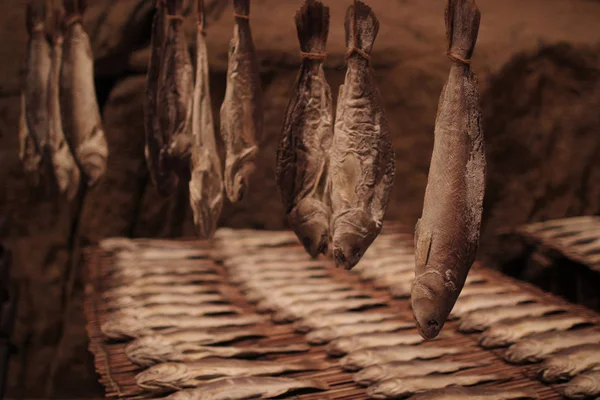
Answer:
(327, 334)
(537, 347)
(398, 388)
(242, 109)
(475, 393)
(81, 120)
(168, 376)
(247, 388)
(206, 183)
(584, 386)
(303, 151)
(568, 363)
(447, 234)
(362, 161)
(376, 355)
(480, 320)
(345, 345)
(28, 153)
(345, 318)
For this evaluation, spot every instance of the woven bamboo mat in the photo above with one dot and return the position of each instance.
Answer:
(117, 373)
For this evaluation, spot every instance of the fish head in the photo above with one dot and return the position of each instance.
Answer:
(356, 360)
(370, 375)
(163, 377)
(557, 369)
(498, 337)
(526, 350)
(310, 221)
(431, 303)
(150, 350)
(353, 233)
(389, 388)
(582, 387)
(122, 326)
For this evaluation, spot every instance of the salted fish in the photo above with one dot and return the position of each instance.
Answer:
(151, 280)
(316, 322)
(303, 151)
(177, 376)
(475, 393)
(127, 272)
(479, 301)
(303, 309)
(538, 347)
(584, 386)
(150, 352)
(400, 290)
(163, 299)
(324, 286)
(480, 320)
(405, 369)
(327, 334)
(447, 234)
(242, 109)
(507, 332)
(283, 282)
(180, 309)
(279, 275)
(275, 303)
(197, 337)
(470, 290)
(568, 363)
(162, 254)
(379, 355)
(350, 344)
(135, 291)
(124, 326)
(362, 161)
(80, 112)
(260, 387)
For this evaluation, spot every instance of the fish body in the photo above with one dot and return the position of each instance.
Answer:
(281, 302)
(379, 355)
(260, 387)
(405, 369)
(299, 289)
(350, 344)
(197, 336)
(135, 291)
(362, 161)
(327, 334)
(447, 234)
(475, 393)
(80, 112)
(509, 331)
(345, 318)
(206, 183)
(480, 320)
(181, 309)
(242, 109)
(168, 376)
(303, 309)
(479, 302)
(584, 386)
(152, 280)
(164, 299)
(570, 362)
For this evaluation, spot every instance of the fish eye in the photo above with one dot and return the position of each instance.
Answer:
(356, 252)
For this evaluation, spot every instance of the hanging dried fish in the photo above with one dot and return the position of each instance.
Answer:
(79, 107)
(362, 158)
(303, 151)
(242, 109)
(447, 234)
(206, 183)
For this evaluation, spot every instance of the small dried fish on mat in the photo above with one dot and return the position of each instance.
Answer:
(480, 320)
(168, 310)
(197, 337)
(303, 152)
(163, 299)
(275, 303)
(179, 269)
(379, 355)
(272, 258)
(345, 318)
(206, 182)
(123, 326)
(470, 290)
(405, 369)
(152, 280)
(538, 347)
(285, 267)
(260, 387)
(393, 279)
(479, 302)
(81, 120)
(476, 393)
(584, 386)
(447, 234)
(303, 309)
(327, 334)
(279, 275)
(176, 376)
(283, 282)
(162, 254)
(345, 345)
(242, 109)
(568, 363)
(150, 352)
(135, 291)
(326, 286)
(399, 388)
(507, 332)
(362, 161)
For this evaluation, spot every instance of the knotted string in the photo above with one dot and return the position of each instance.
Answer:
(458, 59)
(355, 49)
(313, 56)
(73, 19)
(241, 16)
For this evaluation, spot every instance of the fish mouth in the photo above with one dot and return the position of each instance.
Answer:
(426, 311)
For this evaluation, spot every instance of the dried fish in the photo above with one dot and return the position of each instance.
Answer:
(303, 151)
(400, 290)
(480, 320)
(164, 299)
(379, 355)
(28, 154)
(162, 254)
(345, 345)
(479, 302)
(135, 291)
(180, 309)
(405, 369)
(507, 332)
(197, 337)
(472, 290)
(447, 234)
(131, 273)
(298, 289)
(278, 275)
(65, 167)
(475, 393)
(176, 376)
(261, 387)
(327, 334)
(150, 280)
(346, 318)
(81, 120)
(206, 183)
(584, 386)
(362, 161)
(537, 347)
(303, 309)
(568, 363)
(242, 109)
(275, 303)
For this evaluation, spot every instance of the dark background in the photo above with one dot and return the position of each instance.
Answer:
(538, 62)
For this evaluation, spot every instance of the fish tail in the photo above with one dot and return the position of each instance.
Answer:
(35, 14)
(362, 27)
(241, 7)
(462, 28)
(312, 24)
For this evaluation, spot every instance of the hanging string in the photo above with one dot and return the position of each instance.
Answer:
(241, 16)
(313, 56)
(73, 19)
(458, 59)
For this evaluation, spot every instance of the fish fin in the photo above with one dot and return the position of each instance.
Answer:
(312, 24)
(362, 27)
(241, 7)
(35, 14)
(462, 27)
(423, 242)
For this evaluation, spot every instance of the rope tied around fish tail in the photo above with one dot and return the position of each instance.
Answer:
(458, 59)
(241, 16)
(313, 56)
(72, 20)
(356, 50)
